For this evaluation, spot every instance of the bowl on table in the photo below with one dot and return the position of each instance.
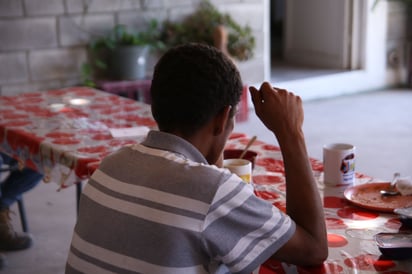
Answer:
(397, 246)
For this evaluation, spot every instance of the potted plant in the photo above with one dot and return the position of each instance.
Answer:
(208, 25)
(121, 55)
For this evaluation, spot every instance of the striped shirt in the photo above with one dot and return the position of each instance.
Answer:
(159, 207)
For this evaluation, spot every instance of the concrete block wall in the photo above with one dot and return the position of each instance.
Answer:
(43, 42)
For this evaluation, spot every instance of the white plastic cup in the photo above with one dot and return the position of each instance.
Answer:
(339, 164)
(241, 167)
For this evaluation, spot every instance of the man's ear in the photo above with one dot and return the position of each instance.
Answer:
(221, 120)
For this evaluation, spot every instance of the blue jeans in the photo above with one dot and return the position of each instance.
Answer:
(18, 182)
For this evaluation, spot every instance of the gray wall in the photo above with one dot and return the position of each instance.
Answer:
(42, 42)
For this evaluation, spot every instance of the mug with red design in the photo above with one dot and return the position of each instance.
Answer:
(339, 164)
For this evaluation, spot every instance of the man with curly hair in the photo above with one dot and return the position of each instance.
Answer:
(167, 206)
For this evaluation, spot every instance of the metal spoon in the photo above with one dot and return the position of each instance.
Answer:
(391, 190)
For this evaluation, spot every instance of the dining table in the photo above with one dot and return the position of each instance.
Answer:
(351, 224)
(65, 133)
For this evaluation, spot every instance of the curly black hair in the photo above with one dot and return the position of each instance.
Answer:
(191, 84)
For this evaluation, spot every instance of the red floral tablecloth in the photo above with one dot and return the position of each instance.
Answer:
(66, 142)
(64, 133)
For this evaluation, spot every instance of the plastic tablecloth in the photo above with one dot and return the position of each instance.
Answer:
(64, 133)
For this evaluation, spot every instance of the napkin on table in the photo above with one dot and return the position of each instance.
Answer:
(129, 132)
(404, 185)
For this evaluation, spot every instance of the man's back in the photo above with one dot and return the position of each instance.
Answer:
(151, 210)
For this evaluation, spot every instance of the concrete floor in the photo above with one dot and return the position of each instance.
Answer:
(378, 123)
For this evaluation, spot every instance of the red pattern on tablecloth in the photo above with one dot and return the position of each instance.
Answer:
(272, 266)
(356, 214)
(393, 223)
(270, 164)
(334, 202)
(268, 179)
(266, 195)
(335, 223)
(369, 262)
(335, 240)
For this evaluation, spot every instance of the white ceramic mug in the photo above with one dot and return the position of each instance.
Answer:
(339, 164)
(241, 167)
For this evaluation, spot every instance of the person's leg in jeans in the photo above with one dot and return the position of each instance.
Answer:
(11, 189)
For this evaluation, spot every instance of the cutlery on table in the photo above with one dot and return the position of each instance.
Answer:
(391, 191)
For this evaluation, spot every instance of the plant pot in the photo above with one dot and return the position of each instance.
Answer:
(128, 62)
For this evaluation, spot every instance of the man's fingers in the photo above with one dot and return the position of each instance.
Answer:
(256, 95)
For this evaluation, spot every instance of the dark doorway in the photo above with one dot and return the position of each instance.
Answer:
(277, 14)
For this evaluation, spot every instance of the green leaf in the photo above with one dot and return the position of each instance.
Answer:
(100, 64)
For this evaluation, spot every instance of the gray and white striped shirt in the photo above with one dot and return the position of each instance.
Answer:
(159, 207)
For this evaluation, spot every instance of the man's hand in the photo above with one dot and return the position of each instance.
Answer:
(280, 111)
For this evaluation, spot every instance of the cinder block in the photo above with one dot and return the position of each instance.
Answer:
(260, 2)
(156, 4)
(79, 30)
(80, 6)
(139, 20)
(181, 3)
(10, 8)
(55, 64)
(251, 71)
(259, 43)
(44, 7)
(13, 68)
(245, 14)
(29, 87)
(30, 33)
(178, 13)
(71, 82)
(216, 3)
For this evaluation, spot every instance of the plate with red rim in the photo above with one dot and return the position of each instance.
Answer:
(368, 196)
